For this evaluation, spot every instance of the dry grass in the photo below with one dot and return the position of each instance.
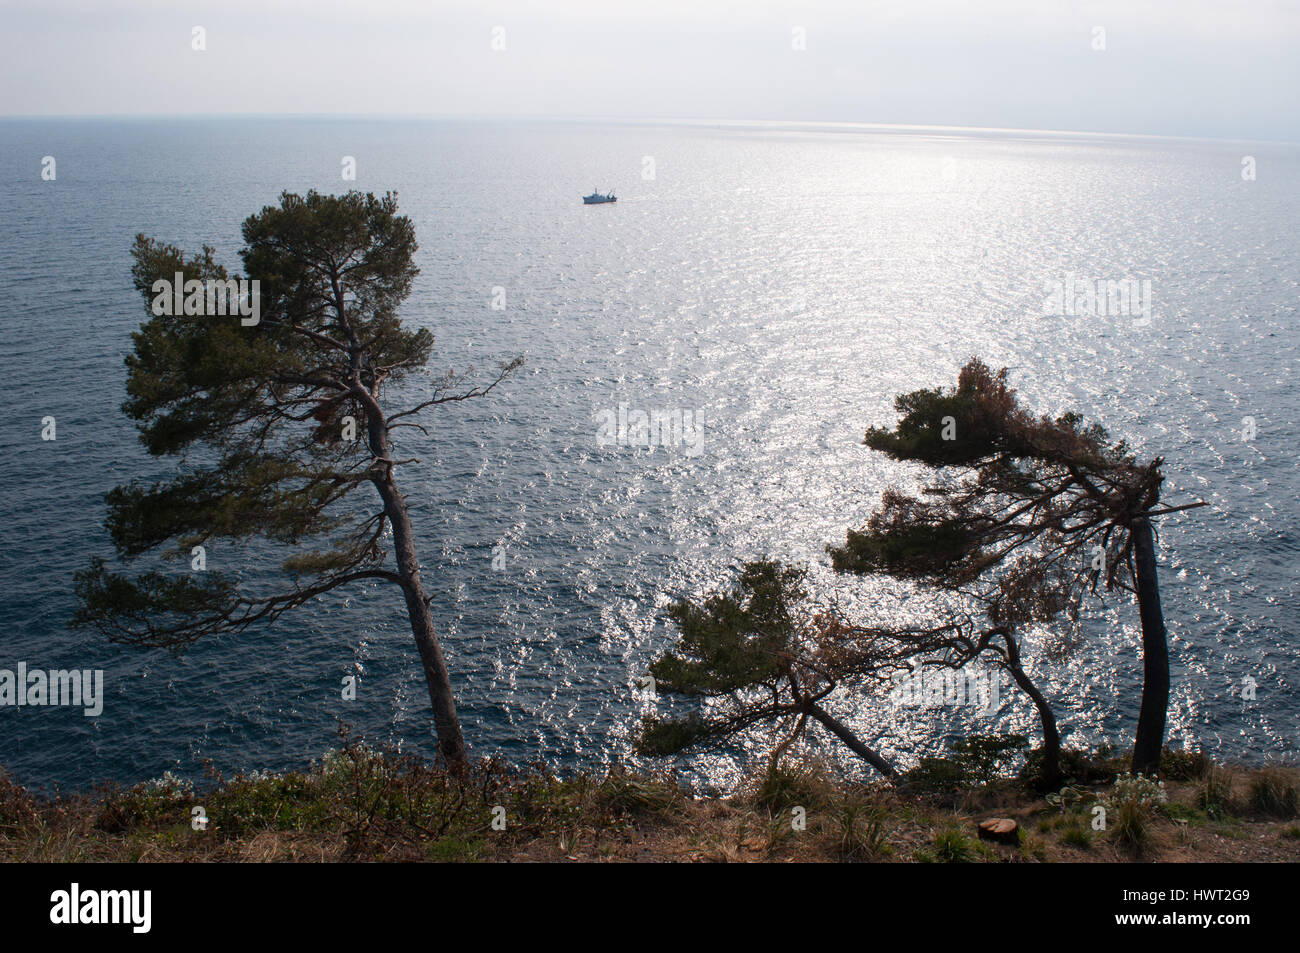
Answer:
(373, 806)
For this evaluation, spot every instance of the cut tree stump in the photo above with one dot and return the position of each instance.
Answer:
(1001, 829)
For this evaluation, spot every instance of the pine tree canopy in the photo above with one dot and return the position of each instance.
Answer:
(273, 425)
(1029, 499)
(758, 653)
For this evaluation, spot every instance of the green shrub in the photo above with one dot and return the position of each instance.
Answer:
(1184, 812)
(259, 802)
(1130, 806)
(640, 796)
(952, 846)
(1077, 836)
(782, 787)
(1273, 793)
(863, 832)
(984, 757)
(1214, 796)
(1129, 826)
(1183, 765)
(937, 776)
(455, 849)
(161, 802)
(1071, 799)
(1078, 768)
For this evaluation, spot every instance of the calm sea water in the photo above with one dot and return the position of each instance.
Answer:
(782, 283)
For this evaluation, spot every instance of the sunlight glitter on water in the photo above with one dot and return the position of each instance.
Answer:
(782, 285)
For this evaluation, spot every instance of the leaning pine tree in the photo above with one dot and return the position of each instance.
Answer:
(274, 425)
(762, 654)
(1029, 513)
(758, 654)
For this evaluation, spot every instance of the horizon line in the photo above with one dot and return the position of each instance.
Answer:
(810, 124)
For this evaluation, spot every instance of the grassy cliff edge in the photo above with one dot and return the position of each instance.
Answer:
(367, 805)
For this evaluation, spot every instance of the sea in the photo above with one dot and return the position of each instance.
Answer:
(766, 289)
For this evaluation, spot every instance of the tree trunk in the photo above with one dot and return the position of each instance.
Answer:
(451, 742)
(1155, 655)
(841, 731)
(1051, 737)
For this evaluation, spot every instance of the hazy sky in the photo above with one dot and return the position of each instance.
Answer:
(1221, 68)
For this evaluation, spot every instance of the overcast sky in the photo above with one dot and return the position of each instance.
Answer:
(1215, 68)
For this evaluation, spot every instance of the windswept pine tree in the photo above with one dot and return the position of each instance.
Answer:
(761, 653)
(1027, 515)
(757, 654)
(956, 640)
(275, 425)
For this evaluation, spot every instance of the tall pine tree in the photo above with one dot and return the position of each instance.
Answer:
(280, 429)
(1025, 514)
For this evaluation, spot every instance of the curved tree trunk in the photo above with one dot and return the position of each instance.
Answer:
(841, 731)
(1051, 737)
(1155, 655)
(451, 741)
